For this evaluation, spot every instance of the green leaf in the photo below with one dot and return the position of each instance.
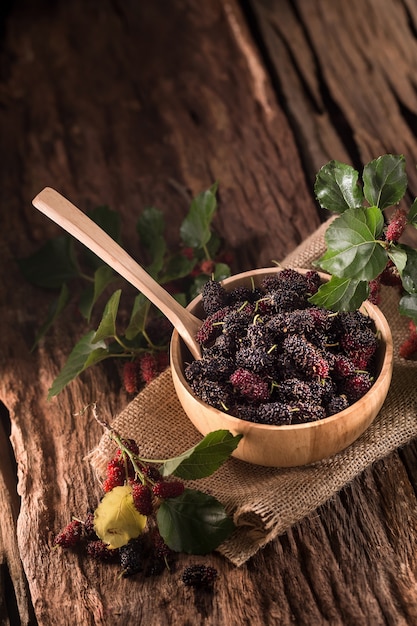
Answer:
(341, 294)
(107, 326)
(194, 522)
(52, 265)
(138, 316)
(103, 276)
(85, 353)
(398, 255)
(204, 458)
(195, 229)
(178, 266)
(409, 272)
(352, 247)
(412, 214)
(54, 311)
(221, 271)
(151, 227)
(408, 306)
(336, 187)
(385, 180)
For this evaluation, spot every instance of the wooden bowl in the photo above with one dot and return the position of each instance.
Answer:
(292, 445)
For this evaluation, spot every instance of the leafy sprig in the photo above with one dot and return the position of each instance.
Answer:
(363, 244)
(74, 272)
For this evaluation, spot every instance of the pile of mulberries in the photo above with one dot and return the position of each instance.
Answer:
(270, 356)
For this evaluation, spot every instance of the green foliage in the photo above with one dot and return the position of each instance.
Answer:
(66, 267)
(204, 458)
(357, 249)
(194, 523)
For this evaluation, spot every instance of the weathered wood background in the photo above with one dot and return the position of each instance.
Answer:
(131, 104)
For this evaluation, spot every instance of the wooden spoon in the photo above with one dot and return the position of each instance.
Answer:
(77, 224)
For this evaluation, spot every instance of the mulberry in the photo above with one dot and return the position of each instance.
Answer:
(214, 297)
(131, 376)
(101, 552)
(199, 576)
(303, 412)
(306, 356)
(396, 225)
(274, 414)
(151, 365)
(142, 498)
(357, 385)
(211, 327)
(337, 404)
(250, 385)
(132, 557)
(168, 489)
(115, 474)
(70, 536)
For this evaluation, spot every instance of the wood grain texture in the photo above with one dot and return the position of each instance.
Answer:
(136, 104)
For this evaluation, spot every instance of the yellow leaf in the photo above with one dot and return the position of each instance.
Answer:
(116, 520)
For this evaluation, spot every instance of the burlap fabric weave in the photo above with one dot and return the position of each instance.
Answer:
(265, 502)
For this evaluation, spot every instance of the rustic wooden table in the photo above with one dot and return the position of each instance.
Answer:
(135, 104)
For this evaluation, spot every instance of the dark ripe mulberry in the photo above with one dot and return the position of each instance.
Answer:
(337, 404)
(168, 489)
(89, 532)
(214, 297)
(259, 359)
(160, 549)
(303, 412)
(250, 385)
(217, 394)
(70, 536)
(142, 498)
(132, 557)
(199, 576)
(241, 294)
(307, 358)
(354, 387)
(350, 322)
(235, 323)
(211, 327)
(216, 368)
(291, 389)
(342, 366)
(286, 300)
(224, 345)
(100, 551)
(152, 472)
(274, 414)
(313, 281)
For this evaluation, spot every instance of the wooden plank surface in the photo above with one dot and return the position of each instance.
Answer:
(131, 104)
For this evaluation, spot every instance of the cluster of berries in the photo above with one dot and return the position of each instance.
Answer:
(148, 553)
(270, 356)
(143, 370)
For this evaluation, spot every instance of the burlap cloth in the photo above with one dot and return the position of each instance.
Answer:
(265, 502)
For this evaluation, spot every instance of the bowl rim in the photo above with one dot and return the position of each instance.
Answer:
(380, 382)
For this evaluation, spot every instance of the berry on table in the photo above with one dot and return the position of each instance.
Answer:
(199, 576)
(69, 536)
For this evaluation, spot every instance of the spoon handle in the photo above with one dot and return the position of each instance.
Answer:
(77, 224)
